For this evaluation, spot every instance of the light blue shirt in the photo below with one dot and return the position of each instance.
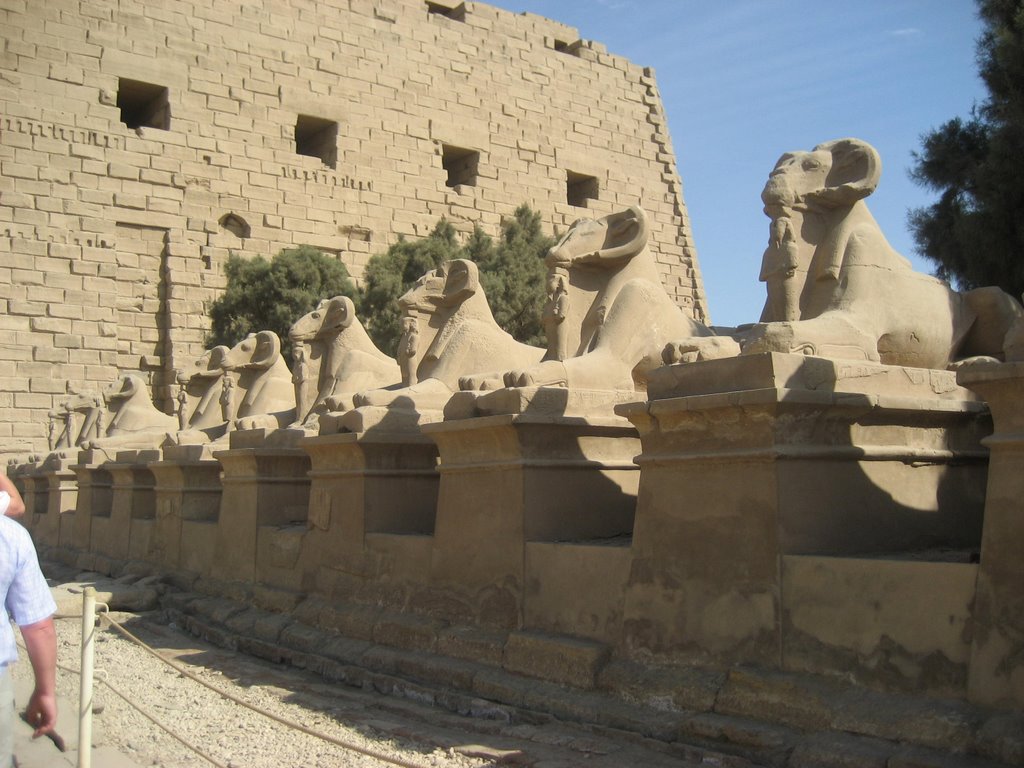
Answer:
(26, 595)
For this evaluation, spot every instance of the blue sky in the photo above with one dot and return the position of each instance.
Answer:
(743, 81)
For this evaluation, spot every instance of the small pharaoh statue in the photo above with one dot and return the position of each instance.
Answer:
(779, 267)
(69, 427)
(51, 438)
(408, 349)
(555, 311)
(300, 377)
(100, 425)
(227, 401)
(182, 403)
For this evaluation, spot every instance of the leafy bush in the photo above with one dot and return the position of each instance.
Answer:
(262, 295)
(512, 272)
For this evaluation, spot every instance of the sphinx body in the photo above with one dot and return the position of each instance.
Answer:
(837, 288)
(200, 415)
(132, 419)
(608, 316)
(450, 334)
(349, 361)
(258, 390)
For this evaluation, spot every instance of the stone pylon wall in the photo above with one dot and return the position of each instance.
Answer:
(143, 142)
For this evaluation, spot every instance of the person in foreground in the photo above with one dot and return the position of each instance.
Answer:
(27, 601)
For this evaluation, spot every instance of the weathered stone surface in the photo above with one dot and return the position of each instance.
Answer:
(896, 623)
(788, 699)
(408, 631)
(688, 688)
(550, 657)
(997, 653)
(472, 644)
(121, 261)
(840, 751)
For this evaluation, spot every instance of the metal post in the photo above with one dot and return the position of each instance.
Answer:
(85, 694)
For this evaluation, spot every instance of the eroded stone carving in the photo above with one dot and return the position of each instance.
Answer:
(134, 422)
(266, 394)
(200, 389)
(608, 317)
(76, 421)
(1013, 342)
(836, 288)
(458, 336)
(349, 361)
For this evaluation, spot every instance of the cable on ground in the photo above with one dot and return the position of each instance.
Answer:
(347, 745)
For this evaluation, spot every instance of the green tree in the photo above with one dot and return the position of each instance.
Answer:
(512, 272)
(262, 295)
(975, 231)
(390, 274)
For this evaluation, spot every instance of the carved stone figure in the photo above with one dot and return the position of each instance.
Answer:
(781, 272)
(182, 399)
(617, 315)
(1013, 342)
(79, 418)
(466, 343)
(227, 401)
(200, 396)
(858, 297)
(134, 421)
(300, 378)
(555, 311)
(409, 349)
(51, 434)
(266, 397)
(350, 361)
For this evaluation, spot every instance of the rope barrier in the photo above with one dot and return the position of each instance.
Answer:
(347, 745)
(180, 739)
(164, 728)
(184, 672)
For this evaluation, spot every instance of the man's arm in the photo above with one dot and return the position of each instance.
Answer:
(41, 644)
(16, 507)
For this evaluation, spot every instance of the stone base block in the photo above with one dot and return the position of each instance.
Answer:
(560, 659)
(748, 459)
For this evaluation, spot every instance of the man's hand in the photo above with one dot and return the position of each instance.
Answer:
(41, 712)
(41, 644)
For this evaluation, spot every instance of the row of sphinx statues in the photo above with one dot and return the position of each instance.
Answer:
(835, 288)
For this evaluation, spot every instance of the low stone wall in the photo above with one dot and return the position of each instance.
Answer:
(812, 524)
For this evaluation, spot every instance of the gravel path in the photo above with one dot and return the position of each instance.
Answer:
(231, 734)
(405, 732)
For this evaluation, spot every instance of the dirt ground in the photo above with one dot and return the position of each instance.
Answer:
(401, 731)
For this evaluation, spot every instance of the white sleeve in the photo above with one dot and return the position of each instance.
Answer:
(5, 502)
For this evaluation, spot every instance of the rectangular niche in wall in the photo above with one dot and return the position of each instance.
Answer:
(579, 188)
(573, 48)
(454, 12)
(317, 137)
(460, 165)
(143, 105)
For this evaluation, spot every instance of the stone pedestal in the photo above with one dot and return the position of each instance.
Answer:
(35, 494)
(526, 472)
(265, 484)
(61, 499)
(124, 534)
(378, 483)
(996, 674)
(749, 458)
(95, 497)
(188, 492)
